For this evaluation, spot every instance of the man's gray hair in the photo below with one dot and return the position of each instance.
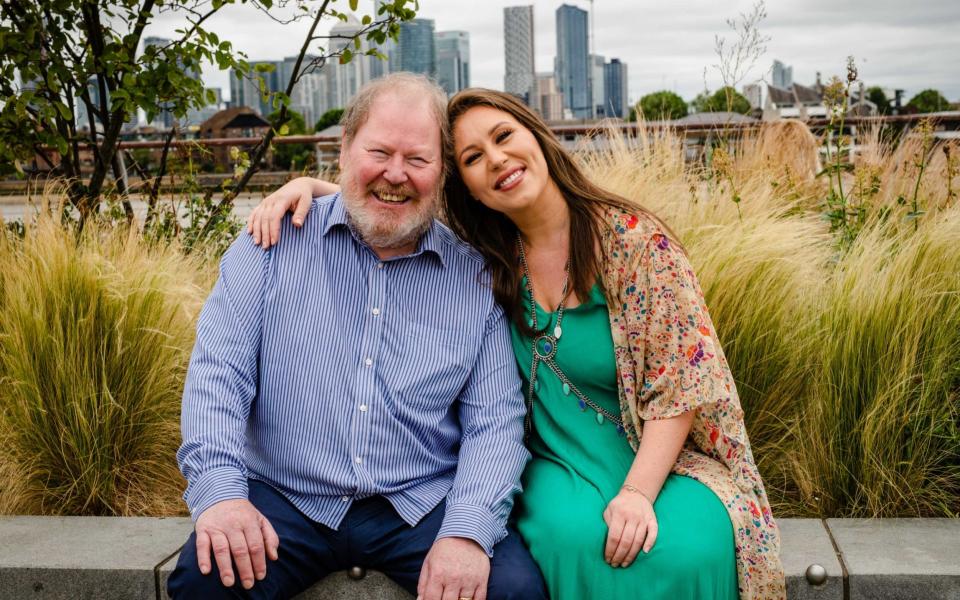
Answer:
(358, 110)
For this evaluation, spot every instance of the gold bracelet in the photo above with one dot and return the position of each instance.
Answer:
(636, 490)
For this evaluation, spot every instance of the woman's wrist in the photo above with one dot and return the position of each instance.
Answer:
(635, 490)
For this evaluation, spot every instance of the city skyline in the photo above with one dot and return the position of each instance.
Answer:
(673, 48)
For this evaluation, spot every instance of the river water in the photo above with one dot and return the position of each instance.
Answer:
(13, 208)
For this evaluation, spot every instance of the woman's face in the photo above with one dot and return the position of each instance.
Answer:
(500, 161)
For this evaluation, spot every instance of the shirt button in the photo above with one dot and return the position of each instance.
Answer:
(358, 460)
(363, 408)
(368, 361)
(375, 311)
(379, 265)
(345, 498)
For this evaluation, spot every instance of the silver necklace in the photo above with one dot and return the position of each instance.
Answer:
(544, 350)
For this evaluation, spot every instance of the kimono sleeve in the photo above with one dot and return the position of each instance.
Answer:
(683, 366)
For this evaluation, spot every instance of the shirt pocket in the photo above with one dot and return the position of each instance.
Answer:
(427, 367)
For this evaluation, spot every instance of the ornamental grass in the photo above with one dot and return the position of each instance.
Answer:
(837, 303)
(95, 334)
(843, 334)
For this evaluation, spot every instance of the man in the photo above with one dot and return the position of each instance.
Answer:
(352, 398)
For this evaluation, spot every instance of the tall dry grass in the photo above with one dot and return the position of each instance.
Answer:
(847, 359)
(95, 332)
(846, 356)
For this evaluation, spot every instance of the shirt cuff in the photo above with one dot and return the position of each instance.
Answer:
(215, 486)
(474, 523)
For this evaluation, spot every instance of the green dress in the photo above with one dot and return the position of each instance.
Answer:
(578, 466)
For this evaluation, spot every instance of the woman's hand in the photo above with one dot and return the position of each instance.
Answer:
(296, 196)
(631, 525)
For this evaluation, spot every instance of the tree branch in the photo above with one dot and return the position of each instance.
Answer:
(161, 171)
(264, 145)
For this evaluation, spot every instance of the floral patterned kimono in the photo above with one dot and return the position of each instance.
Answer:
(669, 361)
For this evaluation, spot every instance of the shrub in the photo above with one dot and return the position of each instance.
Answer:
(845, 356)
(95, 334)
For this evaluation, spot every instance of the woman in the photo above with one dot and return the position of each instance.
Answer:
(642, 482)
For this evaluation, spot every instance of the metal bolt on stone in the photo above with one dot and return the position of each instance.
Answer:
(359, 573)
(816, 574)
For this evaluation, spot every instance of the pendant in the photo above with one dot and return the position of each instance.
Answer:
(545, 346)
(599, 419)
(566, 389)
(620, 431)
(557, 332)
(582, 405)
(536, 385)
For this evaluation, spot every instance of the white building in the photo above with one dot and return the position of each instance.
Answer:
(518, 52)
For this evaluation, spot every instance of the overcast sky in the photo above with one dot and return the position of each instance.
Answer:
(667, 45)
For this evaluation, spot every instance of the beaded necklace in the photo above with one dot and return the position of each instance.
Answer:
(545, 350)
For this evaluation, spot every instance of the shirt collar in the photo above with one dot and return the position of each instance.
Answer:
(430, 242)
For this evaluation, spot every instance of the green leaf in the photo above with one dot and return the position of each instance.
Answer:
(366, 20)
(346, 57)
(64, 111)
(354, 4)
(284, 130)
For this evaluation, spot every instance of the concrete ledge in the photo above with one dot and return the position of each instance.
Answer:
(900, 559)
(806, 542)
(118, 558)
(85, 557)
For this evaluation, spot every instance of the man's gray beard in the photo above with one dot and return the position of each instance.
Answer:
(377, 232)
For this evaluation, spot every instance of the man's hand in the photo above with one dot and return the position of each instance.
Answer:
(236, 528)
(454, 568)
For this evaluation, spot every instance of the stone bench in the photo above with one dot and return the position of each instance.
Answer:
(108, 558)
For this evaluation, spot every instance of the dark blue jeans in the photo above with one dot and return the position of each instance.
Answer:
(372, 535)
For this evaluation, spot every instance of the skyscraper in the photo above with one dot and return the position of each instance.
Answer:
(519, 52)
(343, 81)
(378, 67)
(597, 86)
(573, 61)
(164, 119)
(83, 118)
(615, 99)
(246, 91)
(546, 98)
(453, 60)
(416, 47)
(782, 76)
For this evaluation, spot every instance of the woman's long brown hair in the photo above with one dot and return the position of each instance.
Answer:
(495, 236)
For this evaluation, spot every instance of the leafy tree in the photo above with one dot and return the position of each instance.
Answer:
(292, 157)
(876, 95)
(61, 59)
(663, 105)
(928, 101)
(328, 119)
(726, 99)
(701, 103)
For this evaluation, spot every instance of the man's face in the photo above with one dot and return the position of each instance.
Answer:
(391, 172)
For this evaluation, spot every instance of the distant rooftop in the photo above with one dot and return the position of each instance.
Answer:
(715, 118)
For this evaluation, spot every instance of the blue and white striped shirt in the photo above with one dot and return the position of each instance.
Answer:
(332, 376)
